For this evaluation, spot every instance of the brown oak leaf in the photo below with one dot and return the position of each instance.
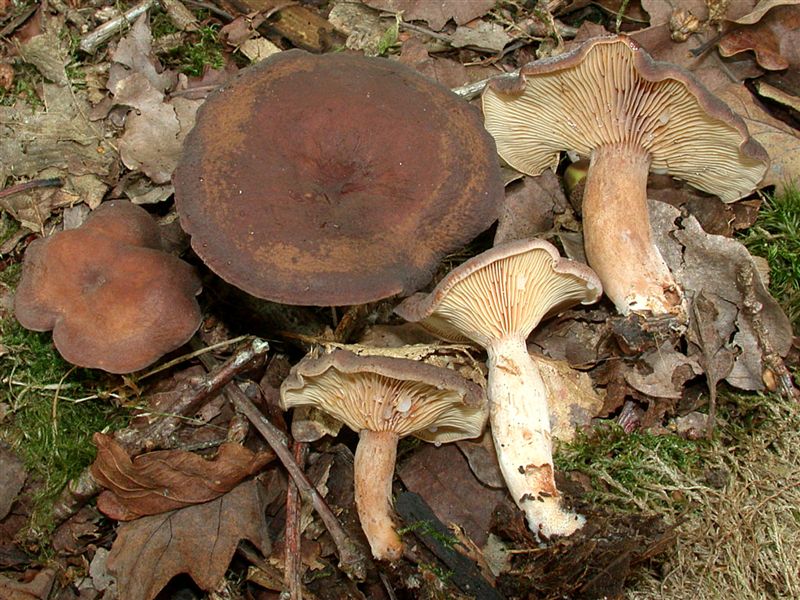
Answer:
(160, 481)
(775, 39)
(435, 14)
(198, 540)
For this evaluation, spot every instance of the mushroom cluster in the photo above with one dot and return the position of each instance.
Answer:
(113, 298)
(610, 101)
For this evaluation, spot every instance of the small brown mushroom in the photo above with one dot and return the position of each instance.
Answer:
(608, 100)
(385, 399)
(334, 179)
(496, 299)
(114, 300)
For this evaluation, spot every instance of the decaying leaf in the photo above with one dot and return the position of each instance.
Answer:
(134, 52)
(662, 372)
(436, 14)
(709, 263)
(361, 24)
(530, 207)
(161, 481)
(572, 400)
(12, 478)
(491, 36)
(57, 136)
(38, 588)
(198, 540)
(759, 10)
(444, 480)
(775, 39)
(48, 52)
(155, 129)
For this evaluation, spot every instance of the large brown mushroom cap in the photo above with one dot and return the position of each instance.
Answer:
(113, 301)
(504, 291)
(334, 179)
(610, 92)
(381, 393)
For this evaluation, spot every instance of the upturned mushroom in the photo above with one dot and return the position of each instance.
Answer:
(385, 399)
(610, 101)
(334, 179)
(496, 299)
(113, 298)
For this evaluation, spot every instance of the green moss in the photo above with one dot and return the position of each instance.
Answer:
(54, 408)
(202, 49)
(631, 464)
(426, 528)
(776, 237)
(26, 83)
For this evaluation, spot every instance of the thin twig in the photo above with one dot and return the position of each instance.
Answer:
(195, 393)
(745, 281)
(473, 90)
(94, 39)
(30, 185)
(292, 551)
(351, 559)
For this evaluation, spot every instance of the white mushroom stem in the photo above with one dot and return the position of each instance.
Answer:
(617, 236)
(521, 433)
(375, 458)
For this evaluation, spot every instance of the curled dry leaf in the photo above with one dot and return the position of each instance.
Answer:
(436, 14)
(775, 39)
(530, 207)
(160, 481)
(37, 588)
(709, 264)
(198, 540)
(12, 478)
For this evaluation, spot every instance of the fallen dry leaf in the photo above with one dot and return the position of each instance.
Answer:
(709, 263)
(57, 136)
(775, 39)
(436, 14)
(662, 372)
(444, 480)
(572, 400)
(530, 207)
(154, 132)
(361, 24)
(12, 478)
(198, 540)
(759, 10)
(164, 480)
(490, 36)
(48, 52)
(38, 588)
(135, 52)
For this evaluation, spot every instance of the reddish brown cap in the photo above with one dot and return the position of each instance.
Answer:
(609, 91)
(113, 300)
(381, 393)
(334, 179)
(504, 291)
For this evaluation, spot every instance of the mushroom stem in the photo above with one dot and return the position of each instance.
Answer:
(616, 234)
(521, 433)
(374, 470)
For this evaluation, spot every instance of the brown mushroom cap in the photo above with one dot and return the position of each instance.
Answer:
(113, 300)
(609, 91)
(506, 290)
(334, 179)
(380, 393)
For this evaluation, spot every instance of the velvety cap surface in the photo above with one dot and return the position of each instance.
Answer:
(334, 179)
